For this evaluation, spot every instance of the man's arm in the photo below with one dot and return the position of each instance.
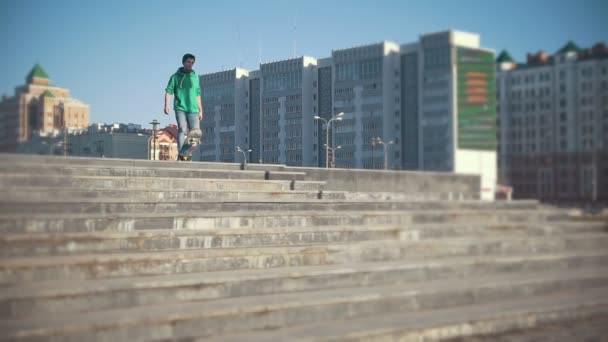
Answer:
(168, 92)
(167, 101)
(200, 108)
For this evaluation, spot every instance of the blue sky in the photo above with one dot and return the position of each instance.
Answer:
(118, 55)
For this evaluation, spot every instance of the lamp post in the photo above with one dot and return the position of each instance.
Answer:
(65, 142)
(373, 143)
(154, 124)
(333, 154)
(385, 146)
(594, 169)
(327, 123)
(597, 147)
(244, 154)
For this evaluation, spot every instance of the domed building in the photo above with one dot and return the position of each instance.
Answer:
(39, 108)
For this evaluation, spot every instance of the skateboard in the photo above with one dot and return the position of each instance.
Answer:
(190, 144)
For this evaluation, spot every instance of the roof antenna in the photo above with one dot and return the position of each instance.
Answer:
(295, 25)
(238, 48)
(259, 50)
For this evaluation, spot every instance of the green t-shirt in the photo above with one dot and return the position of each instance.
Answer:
(184, 88)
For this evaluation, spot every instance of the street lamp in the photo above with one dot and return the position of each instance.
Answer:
(154, 124)
(594, 168)
(385, 146)
(373, 143)
(244, 154)
(327, 123)
(333, 154)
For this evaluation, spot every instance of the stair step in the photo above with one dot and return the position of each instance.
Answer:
(61, 296)
(71, 195)
(449, 324)
(275, 311)
(14, 181)
(32, 244)
(87, 266)
(37, 162)
(118, 171)
(69, 222)
(151, 240)
(118, 206)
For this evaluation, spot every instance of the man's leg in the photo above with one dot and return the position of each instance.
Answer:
(193, 121)
(182, 128)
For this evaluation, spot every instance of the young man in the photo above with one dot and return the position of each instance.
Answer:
(186, 90)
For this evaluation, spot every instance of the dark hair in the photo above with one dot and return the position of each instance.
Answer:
(188, 56)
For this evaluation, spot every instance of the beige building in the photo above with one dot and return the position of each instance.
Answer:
(165, 145)
(38, 108)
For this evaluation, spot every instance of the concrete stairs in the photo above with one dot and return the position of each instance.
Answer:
(110, 249)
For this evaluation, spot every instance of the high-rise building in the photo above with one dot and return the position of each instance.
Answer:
(224, 125)
(367, 90)
(38, 108)
(449, 106)
(431, 103)
(253, 109)
(322, 105)
(553, 113)
(287, 112)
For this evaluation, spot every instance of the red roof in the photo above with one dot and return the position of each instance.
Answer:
(171, 130)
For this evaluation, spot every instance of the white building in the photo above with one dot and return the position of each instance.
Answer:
(433, 100)
(287, 112)
(367, 90)
(449, 112)
(224, 125)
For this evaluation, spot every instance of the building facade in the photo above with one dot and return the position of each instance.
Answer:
(432, 103)
(98, 144)
(224, 125)
(164, 147)
(39, 109)
(287, 112)
(554, 124)
(449, 107)
(367, 90)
